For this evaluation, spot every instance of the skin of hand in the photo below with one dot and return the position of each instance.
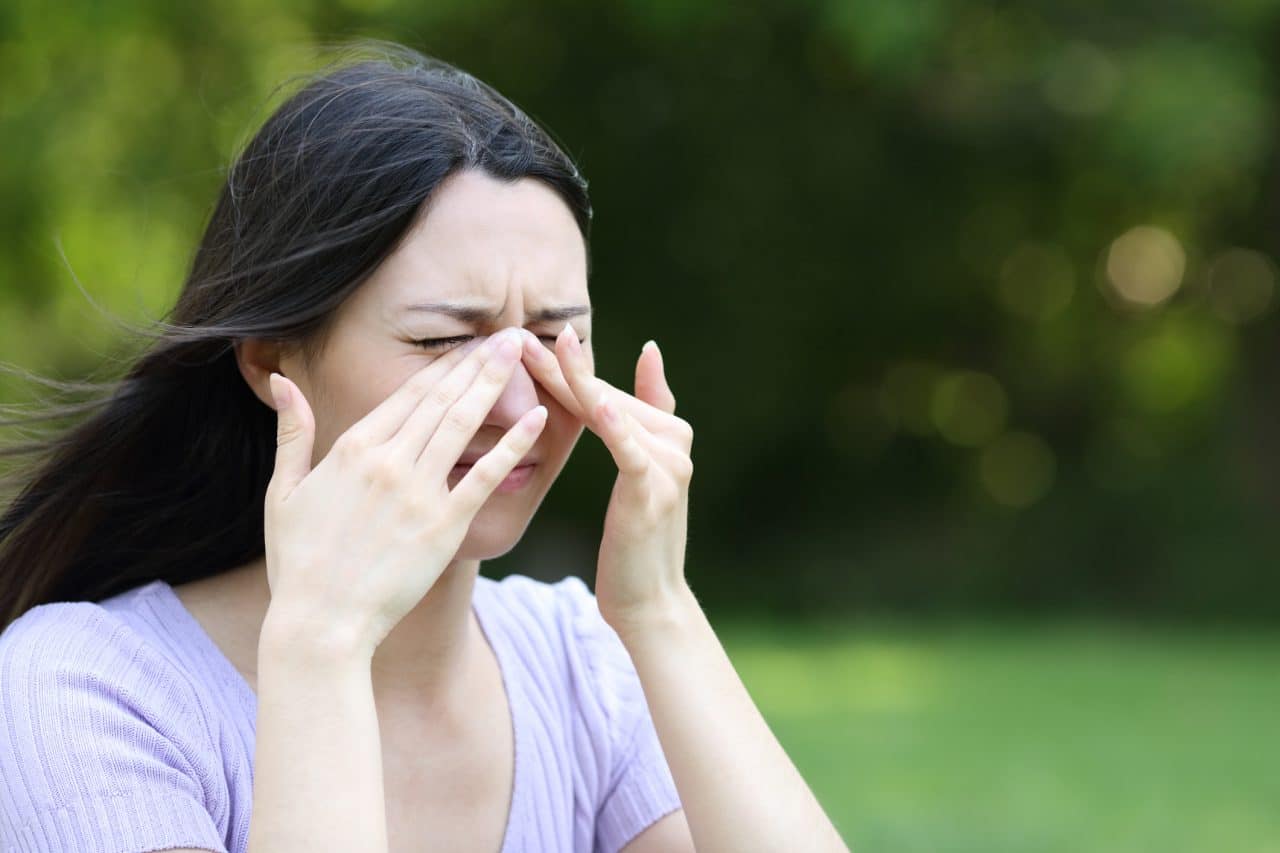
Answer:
(357, 564)
(640, 568)
(738, 788)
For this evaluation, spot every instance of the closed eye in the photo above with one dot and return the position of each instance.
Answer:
(442, 343)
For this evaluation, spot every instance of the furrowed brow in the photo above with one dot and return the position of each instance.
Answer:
(479, 314)
(562, 312)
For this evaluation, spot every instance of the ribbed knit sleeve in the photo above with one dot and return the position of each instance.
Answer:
(101, 746)
(637, 786)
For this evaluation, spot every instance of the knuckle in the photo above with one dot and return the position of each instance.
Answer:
(458, 419)
(352, 444)
(415, 506)
(286, 435)
(440, 396)
(484, 476)
(682, 469)
(504, 456)
(456, 502)
(684, 430)
(382, 472)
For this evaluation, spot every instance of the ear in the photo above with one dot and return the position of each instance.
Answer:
(257, 358)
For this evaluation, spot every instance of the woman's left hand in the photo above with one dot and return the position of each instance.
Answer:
(640, 570)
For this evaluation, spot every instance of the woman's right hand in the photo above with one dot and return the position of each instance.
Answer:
(354, 544)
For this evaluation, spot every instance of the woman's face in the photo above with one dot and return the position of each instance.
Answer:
(507, 253)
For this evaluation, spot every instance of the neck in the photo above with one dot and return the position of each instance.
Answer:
(429, 650)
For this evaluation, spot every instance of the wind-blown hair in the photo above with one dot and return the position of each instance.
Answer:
(163, 473)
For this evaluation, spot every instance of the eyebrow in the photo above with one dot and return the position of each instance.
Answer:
(477, 314)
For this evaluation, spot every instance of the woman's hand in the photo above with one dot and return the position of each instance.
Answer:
(354, 544)
(640, 571)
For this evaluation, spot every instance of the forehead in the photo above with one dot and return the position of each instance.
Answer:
(484, 241)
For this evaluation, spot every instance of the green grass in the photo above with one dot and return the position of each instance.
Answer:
(1039, 738)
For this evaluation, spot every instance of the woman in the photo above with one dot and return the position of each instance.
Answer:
(247, 584)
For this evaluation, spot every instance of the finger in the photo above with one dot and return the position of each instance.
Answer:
(587, 389)
(435, 404)
(617, 430)
(295, 436)
(457, 424)
(491, 469)
(386, 418)
(590, 390)
(663, 452)
(651, 379)
(547, 369)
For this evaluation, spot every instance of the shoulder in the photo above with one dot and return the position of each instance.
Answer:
(79, 653)
(70, 635)
(100, 730)
(73, 669)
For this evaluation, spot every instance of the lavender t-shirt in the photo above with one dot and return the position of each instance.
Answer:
(123, 727)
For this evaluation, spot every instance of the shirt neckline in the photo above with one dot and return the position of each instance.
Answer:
(497, 641)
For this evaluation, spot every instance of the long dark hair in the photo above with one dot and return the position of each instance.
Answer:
(163, 473)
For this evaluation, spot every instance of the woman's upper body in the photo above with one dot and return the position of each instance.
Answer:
(127, 727)
(379, 223)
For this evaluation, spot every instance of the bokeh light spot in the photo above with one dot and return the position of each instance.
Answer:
(1145, 265)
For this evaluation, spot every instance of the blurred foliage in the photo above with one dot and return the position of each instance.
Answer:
(970, 304)
(1065, 736)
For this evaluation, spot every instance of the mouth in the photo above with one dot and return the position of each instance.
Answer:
(513, 482)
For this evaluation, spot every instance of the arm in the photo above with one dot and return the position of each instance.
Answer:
(739, 789)
(318, 756)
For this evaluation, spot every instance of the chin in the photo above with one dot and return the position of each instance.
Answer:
(494, 533)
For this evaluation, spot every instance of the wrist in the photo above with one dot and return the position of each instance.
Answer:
(308, 640)
(666, 616)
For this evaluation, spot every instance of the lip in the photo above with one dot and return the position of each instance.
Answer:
(469, 459)
(514, 481)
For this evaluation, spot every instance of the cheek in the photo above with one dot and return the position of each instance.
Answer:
(342, 401)
(561, 432)
(361, 398)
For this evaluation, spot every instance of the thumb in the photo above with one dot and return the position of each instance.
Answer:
(295, 433)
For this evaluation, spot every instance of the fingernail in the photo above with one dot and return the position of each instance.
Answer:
(536, 421)
(279, 391)
(573, 335)
(649, 344)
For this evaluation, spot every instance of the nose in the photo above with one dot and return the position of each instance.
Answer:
(516, 399)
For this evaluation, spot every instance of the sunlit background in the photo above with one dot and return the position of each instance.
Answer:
(972, 307)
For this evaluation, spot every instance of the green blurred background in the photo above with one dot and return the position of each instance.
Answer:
(971, 305)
